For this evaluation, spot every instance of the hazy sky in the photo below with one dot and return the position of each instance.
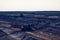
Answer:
(19, 5)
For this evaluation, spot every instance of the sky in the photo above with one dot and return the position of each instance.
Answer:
(29, 5)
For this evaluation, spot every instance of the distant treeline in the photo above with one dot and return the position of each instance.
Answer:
(17, 13)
